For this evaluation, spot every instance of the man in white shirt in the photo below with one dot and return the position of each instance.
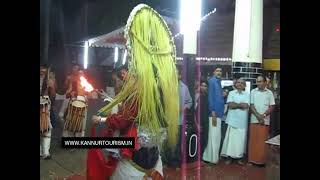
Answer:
(237, 118)
(262, 103)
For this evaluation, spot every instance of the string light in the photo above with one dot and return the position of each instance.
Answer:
(208, 59)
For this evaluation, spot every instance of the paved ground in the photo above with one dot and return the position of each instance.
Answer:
(205, 172)
(71, 165)
(216, 172)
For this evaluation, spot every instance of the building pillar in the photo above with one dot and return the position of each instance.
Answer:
(247, 40)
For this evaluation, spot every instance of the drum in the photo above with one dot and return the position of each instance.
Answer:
(74, 116)
(44, 115)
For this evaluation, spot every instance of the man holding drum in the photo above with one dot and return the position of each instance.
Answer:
(47, 90)
(75, 106)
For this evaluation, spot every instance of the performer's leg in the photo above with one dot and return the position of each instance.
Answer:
(46, 144)
(84, 124)
(159, 167)
(63, 108)
(79, 134)
(41, 146)
(46, 140)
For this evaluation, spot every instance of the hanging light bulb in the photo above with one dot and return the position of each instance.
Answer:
(124, 57)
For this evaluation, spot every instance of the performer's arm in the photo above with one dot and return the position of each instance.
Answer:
(67, 82)
(69, 92)
(52, 88)
(123, 119)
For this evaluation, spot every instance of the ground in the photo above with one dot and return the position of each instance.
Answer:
(71, 165)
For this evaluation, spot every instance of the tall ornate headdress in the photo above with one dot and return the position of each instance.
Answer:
(152, 81)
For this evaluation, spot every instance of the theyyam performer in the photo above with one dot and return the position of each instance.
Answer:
(149, 103)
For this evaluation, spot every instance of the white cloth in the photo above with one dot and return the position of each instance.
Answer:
(45, 141)
(115, 109)
(261, 100)
(63, 108)
(126, 171)
(234, 144)
(45, 138)
(59, 97)
(110, 91)
(81, 98)
(211, 153)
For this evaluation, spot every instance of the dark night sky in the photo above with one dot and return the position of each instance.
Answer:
(67, 17)
(106, 15)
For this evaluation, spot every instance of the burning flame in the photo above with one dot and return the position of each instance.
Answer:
(84, 83)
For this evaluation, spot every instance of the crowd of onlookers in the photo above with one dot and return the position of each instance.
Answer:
(225, 117)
